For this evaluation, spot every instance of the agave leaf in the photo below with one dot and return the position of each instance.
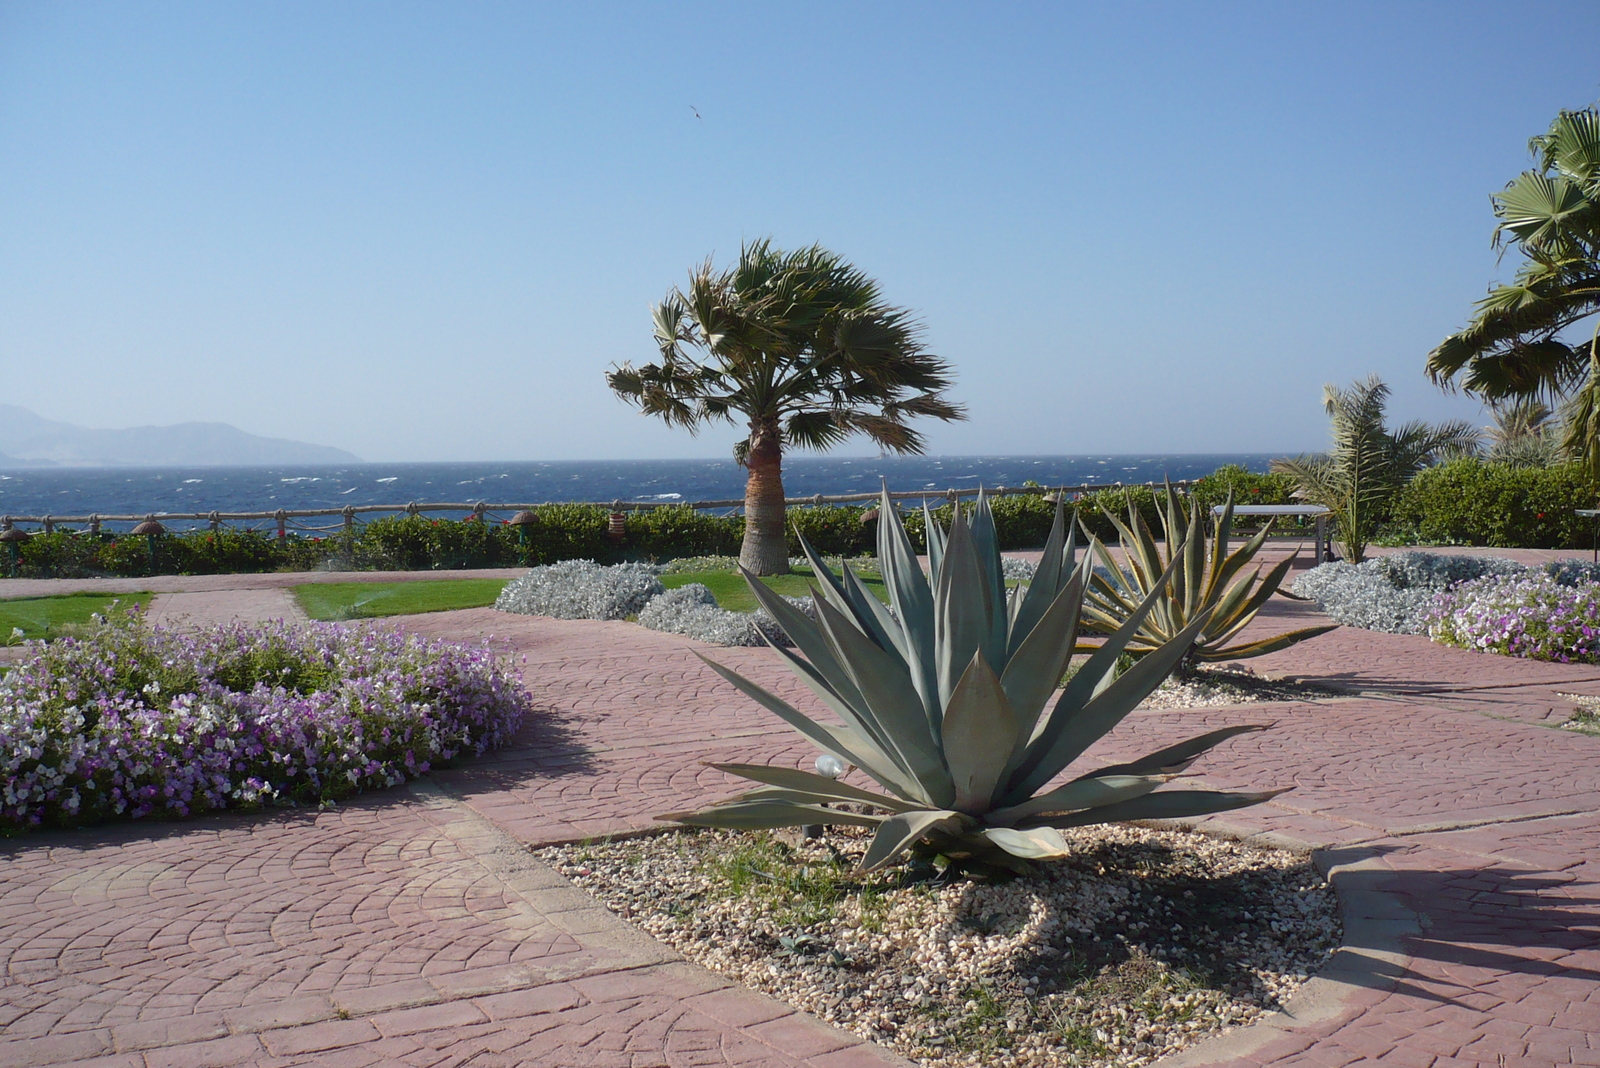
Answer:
(1147, 557)
(1118, 583)
(883, 621)
(1166, 805)
(1102, 789)
(1241, 556)
(807, 637)
(1274, 577)
(1264, 646)
(1082, 686)
(980, 733)
(819, 735)
(795, 779)
(936, 541)
(963, 609)
(1175, 758)
(1222, 535)
(855, 735)
(899, 832)
(1038, 843)
(849, 596)
(1080, 727)
(1036, 667)
(1194, 550)
(911, 597)
(1048, 580)
(1228, 605)
(764, 815)
(986, 548)
(890, 701)
(827, 586)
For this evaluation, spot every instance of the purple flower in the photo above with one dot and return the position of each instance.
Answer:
(135, 720)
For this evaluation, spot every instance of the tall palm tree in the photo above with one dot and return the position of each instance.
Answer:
(802, 347)
(1513, 346)
(1369, 463)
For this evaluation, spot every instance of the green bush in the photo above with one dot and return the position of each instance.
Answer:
(1093, 506)
(418, 543)
(568, 532)
(1248, 487)
(668, 533)
(225, 551)
(833, 530)
(1472, 502)
(63, 553)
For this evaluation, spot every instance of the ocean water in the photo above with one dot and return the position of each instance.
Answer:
(137, 491)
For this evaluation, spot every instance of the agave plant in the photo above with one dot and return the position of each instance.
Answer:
(1191, 579)
(947, 700)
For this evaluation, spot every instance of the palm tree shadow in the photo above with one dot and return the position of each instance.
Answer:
(1497, 920)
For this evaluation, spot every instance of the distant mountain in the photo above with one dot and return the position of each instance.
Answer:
(12, 463)
(28, 440)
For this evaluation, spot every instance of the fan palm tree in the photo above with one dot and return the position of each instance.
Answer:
(1513, 346)
(1369, 463)
(802, 347)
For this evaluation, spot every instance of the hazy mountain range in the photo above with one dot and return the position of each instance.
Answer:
(28, 440)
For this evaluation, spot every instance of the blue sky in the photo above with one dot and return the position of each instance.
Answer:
(423, 231)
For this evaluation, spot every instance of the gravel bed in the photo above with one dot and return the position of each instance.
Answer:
(1585, 719)
(1211, 687)
(1140, 943)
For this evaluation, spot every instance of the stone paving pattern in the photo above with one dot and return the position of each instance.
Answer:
(412, 928)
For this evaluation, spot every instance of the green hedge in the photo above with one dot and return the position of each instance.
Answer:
(1472, 502)
(571, 531)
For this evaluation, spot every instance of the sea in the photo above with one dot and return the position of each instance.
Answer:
(77, 491)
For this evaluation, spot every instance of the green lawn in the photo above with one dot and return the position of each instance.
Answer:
(731, 592)
(44, 617)
(365, 600)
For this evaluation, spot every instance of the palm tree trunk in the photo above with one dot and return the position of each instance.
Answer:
(766, 547)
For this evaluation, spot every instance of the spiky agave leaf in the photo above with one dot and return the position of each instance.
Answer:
(1204, 569)
(948, 700)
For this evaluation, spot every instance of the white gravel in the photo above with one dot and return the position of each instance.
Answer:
(1141, 943)
(1234, 685)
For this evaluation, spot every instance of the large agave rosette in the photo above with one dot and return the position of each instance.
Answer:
(947, 699)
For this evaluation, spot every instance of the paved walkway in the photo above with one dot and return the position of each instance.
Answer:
(413, 928)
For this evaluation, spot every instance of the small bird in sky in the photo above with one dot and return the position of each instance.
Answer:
(696, 112)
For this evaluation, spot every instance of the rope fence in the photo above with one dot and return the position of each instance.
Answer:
(285, 519)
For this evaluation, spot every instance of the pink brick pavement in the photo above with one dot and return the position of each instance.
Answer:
(411, 928)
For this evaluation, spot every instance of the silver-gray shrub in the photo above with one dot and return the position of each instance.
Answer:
(692, 611)
(1573, 572)
(1016, 570)
(581, 589)
(1394, 593)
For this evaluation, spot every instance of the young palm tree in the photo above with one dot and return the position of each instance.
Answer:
(1525, 433)
(803, 349)
(1368, 463)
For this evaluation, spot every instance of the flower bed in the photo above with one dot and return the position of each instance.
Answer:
(1532, 615)
(131, 721)
(1394, 593)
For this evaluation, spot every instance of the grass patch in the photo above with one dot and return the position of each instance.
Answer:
(54, 617)
(729, 588)
(369, 600)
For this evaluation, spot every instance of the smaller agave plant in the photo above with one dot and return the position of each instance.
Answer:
(1190, 581)
(947, 699)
